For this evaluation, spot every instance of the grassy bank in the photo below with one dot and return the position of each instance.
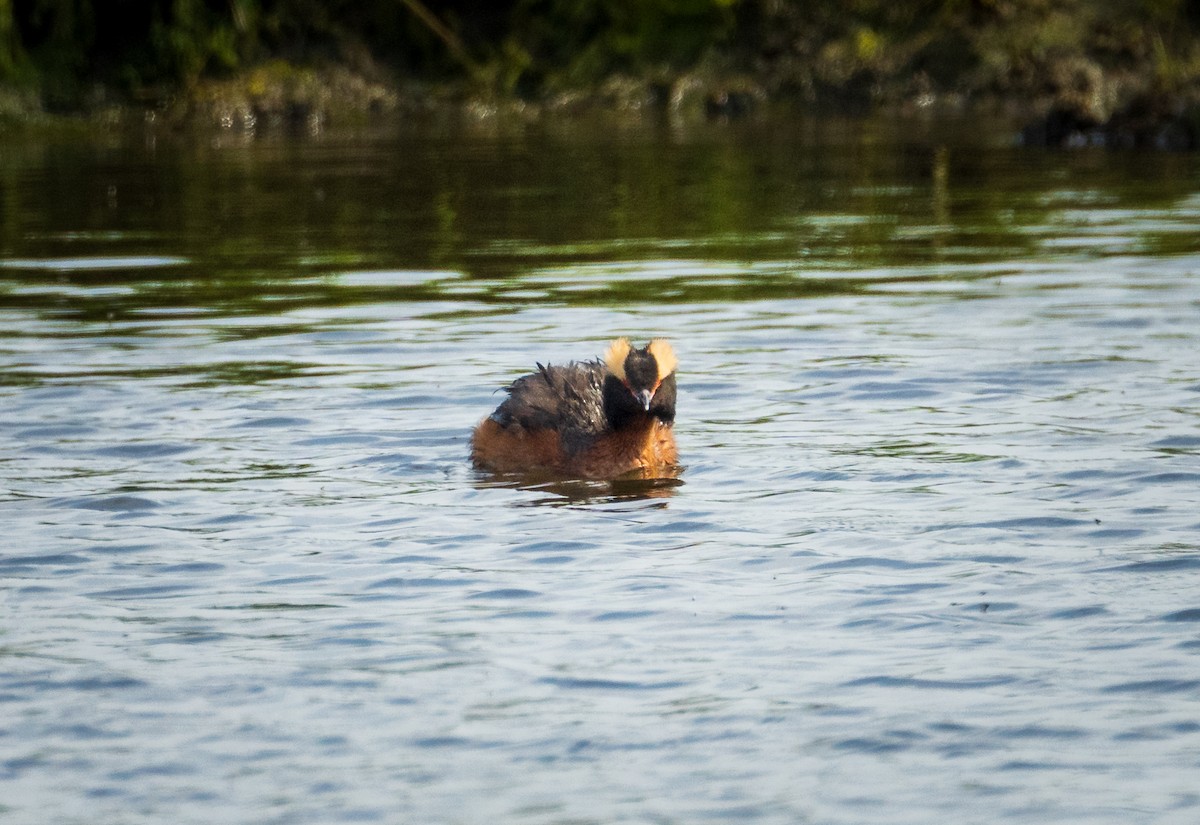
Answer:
(1078, 64)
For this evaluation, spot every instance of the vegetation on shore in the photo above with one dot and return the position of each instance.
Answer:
(1085, 62)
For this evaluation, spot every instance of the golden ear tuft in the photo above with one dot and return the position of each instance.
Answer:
(615, 357)
(664, 356)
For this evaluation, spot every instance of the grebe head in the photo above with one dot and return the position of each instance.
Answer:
(646, 375)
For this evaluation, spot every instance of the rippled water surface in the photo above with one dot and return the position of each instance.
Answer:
(935, 555)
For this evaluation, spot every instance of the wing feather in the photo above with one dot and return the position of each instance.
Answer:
(566, 398)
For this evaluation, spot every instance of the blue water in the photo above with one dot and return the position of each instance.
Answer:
(935, 554)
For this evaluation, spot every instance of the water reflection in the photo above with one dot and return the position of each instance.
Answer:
(564, 492)
(562, 218)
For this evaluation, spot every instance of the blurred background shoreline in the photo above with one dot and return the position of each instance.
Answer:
(1121, 73)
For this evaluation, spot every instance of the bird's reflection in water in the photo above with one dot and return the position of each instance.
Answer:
(564, 492)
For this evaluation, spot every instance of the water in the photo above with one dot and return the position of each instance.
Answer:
(935, 553)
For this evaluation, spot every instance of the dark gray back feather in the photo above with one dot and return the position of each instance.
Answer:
(567, 398)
